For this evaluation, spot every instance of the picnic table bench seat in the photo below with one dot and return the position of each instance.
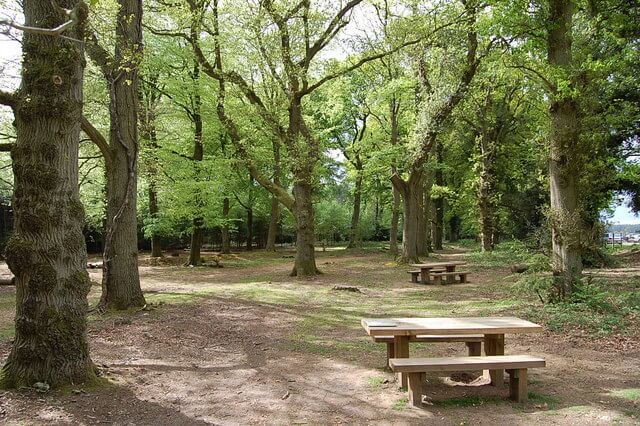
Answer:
(515, 365)
(437, 276)
(416, 273)
(473, 342)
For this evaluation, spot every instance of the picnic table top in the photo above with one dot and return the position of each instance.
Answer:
(468, 325)
(437, 264)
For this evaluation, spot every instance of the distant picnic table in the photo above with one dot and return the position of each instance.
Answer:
(448, 271)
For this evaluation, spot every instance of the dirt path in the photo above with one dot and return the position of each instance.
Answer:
(249, 345)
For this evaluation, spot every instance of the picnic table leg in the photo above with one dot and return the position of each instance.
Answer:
(391, 353)
(424, 276)
(494, 345)
(401, 344)
(451, 278)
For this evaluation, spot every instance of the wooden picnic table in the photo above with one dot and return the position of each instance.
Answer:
(425, 269)
(493, 328)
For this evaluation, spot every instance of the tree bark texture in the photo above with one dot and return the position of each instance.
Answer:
(275, 204)
(394, 107)
(411, 192)
(120, 280)
(395, 222)
(487, 190)
(564, 170)
(305, 262)
(355, 239)
(197, 234)
(156, 245)
(148, 134)
(226, 242)
(438, 228)
(46, 252)
(426, 213)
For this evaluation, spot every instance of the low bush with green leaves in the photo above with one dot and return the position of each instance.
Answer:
(594, 306)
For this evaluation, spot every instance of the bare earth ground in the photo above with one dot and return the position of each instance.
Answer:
(246, 344)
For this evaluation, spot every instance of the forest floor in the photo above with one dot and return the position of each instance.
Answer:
(247, 344)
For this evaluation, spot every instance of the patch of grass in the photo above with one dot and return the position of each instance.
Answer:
(376, 381)
(95, 385)
(504, 255)
(634, 413)
(172, 297)
(631, 394)
(7, 333)
(400, 404)
(551, 401)
(469, 401)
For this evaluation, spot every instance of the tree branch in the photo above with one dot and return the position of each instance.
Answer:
(329, 33)
(357, 65)
(98, 139)
(279, 192)
(8, 98)
(78, 13)
(99, 56)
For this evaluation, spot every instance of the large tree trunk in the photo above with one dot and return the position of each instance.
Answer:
(426, 213)
(305, 262)
(566, 224)
(273, 224)
(46, 252)
(395, 221)
(275, 204)
(454, 227)
(354, 232)
(395, 212)
(250, 228)
(226, 242)
(197, 234)
(156, 245)
(438, 228)
(486, 190)
(148, 133)
(411, 192)
(120, 279)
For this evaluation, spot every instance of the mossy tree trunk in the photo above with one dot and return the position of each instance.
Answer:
(46, 252)
(564, 168)
(411, 191)
(432, 121)
(487, 189)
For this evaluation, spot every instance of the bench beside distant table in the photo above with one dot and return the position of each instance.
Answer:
(435, 268)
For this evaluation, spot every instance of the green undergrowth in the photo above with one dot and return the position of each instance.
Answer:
(506, 254)
(598, 305)
(400, 404)
(376, 381)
